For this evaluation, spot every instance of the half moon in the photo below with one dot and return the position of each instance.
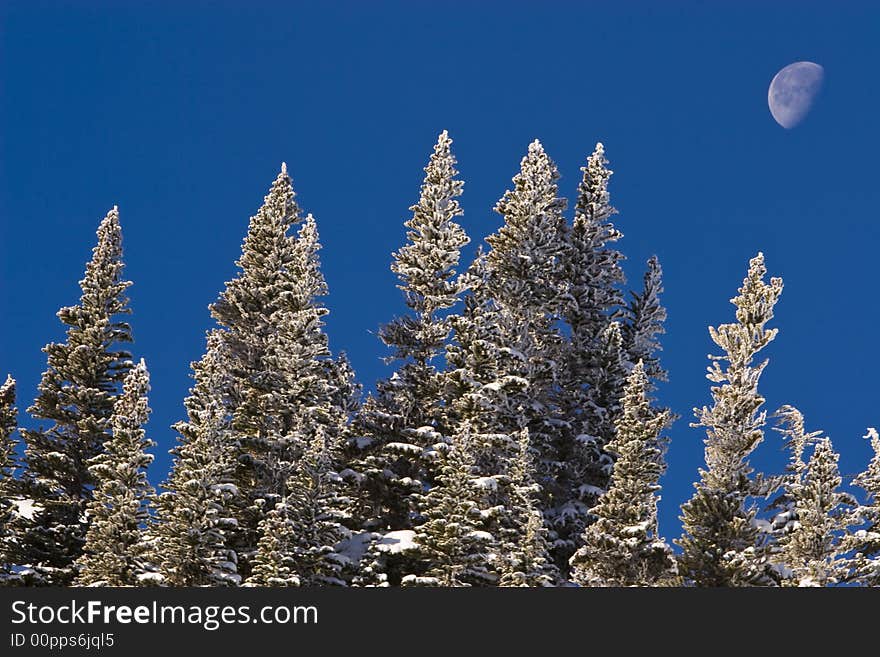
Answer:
(793, 92)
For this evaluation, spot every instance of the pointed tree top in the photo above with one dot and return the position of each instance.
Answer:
(284, 168)
(112, 215)
(7, 391)
(536, 147)
(873, 437)
(638, 370)
(756, 297)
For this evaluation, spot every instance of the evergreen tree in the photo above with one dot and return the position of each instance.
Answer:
(503, 367)
(720, 546)
(76, 395)
(190, 541)
(591, 264)
(453, 548)
(114, 550)
(524, 264)
(9, 488)
(622, 547)
(644, 318)
(866, 541)
(810, 549)
(594, 361)
(520, 293)
(282, 379)
(390, 435)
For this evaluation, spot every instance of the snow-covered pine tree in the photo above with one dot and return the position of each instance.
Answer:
(810, 547)
(453, 547)
(622, 547)
(593, 367)
(591, 264)
(721, 543)
(281, 379)
(866, 540)
(113, 554)
(76, 395)
(298, 543)
(390, 434)
(503, 366)
(9, 486)
(643, 323)
(524, 552)
(189, 542)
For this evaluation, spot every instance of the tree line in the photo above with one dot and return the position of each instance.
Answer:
(517, 443)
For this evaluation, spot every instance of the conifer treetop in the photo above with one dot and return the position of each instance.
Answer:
(734, 422)
(721, 545)
(7, 401)
(622, 547)
(791, 426)
(524, 263)
(265, 251)
(646, 316)
(594, 202)
(426, 265)
(869, 480)
(102, 285)
(113, 548)
(76, 394)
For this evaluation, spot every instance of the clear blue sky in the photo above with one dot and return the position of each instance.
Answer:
(182, 116)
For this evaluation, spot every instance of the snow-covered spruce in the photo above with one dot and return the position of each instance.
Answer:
(503, 366)
(644, 319)
(592, 265)
(592, 364)
(396, 429)
(721, 545)
(113, 554)
(866, 540)
(76, 396)
(622, 547)
(189, 542)
(809, 547)
(453, 548)
(282, 381)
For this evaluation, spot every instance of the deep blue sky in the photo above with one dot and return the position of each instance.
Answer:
(182, 116)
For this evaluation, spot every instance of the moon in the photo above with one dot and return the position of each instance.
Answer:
(793, 92)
